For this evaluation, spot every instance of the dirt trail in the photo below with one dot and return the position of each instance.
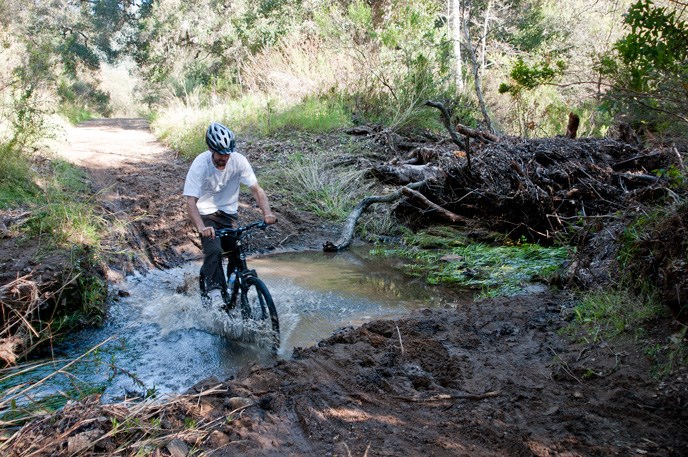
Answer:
(139, 184)
(495, 377)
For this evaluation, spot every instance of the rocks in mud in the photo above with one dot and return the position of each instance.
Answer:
(237, 403)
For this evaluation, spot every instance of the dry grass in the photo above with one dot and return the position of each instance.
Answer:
(19, 304)
(298, 69)
(184, 424)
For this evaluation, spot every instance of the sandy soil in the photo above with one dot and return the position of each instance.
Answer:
(495, 377)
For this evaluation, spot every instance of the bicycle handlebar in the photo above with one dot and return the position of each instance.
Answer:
(237, 232)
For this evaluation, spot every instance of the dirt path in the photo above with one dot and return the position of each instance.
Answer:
(491, 378)
(139, 184)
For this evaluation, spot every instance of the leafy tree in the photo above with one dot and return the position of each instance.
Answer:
(649, 67)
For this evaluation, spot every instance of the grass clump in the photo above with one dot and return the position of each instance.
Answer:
(445, 256)
(59, 223)
(16, 185)
(608, 314)
(63, 217)
(314, 185)
(313, 115)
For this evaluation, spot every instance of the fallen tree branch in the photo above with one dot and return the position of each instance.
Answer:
(485, 137)
(350, 224)
(422, 198)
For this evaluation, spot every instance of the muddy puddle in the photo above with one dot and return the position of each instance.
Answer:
(158, 338)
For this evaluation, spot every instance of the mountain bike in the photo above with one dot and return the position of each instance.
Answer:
(244, 285)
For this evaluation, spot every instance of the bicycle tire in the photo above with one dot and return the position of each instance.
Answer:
(257, 304)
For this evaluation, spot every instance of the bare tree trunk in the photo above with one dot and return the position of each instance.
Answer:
(484, 37)
(454, 23)
(476, 77)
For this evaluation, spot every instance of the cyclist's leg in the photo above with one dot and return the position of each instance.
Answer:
(212, 269)
(229, 243)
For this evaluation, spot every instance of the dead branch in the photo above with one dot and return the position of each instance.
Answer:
(350, 224)
(444, 397)
(404, 174)
(443, 212)
(446, 120)
(484, 137)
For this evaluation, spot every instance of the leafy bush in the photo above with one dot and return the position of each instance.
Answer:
(648, 69)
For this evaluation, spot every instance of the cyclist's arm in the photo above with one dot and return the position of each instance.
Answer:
(263, 203)
(195, 217)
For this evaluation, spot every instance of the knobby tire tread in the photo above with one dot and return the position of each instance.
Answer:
(262, 291)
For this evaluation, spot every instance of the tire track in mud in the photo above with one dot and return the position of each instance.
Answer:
(476, 380)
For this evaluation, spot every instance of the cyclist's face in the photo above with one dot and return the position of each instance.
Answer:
(220, 160)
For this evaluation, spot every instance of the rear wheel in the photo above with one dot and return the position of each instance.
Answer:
(257, 304)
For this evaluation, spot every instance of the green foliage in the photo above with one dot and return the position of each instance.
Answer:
(15, 177)
(615, 314)
(264, 22)
(17, 415)
(530, 76)
(79, 101)
(649, 68)
(413, 50)
(677, 177)
(448, 258)
(536, 28)
(314, 115)
(657, 40)
(60, 222)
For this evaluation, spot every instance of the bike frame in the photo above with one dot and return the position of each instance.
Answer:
(241, 270)
(246, 280)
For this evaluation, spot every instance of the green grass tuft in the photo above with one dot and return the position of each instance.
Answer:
(444, 256)
(608, 314)
(319, 188)
(16, 185)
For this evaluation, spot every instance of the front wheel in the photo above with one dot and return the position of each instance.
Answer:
(257, 304)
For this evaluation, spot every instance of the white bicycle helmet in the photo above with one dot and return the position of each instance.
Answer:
(219, 138)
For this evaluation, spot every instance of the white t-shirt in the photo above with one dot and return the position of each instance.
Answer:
(218, 189)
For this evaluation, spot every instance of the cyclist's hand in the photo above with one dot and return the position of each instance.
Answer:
(270, 219)
(208, 232)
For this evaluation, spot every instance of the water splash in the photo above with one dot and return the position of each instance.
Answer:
(166, 340)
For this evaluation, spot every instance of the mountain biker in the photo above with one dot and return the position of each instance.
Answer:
(212, 195)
